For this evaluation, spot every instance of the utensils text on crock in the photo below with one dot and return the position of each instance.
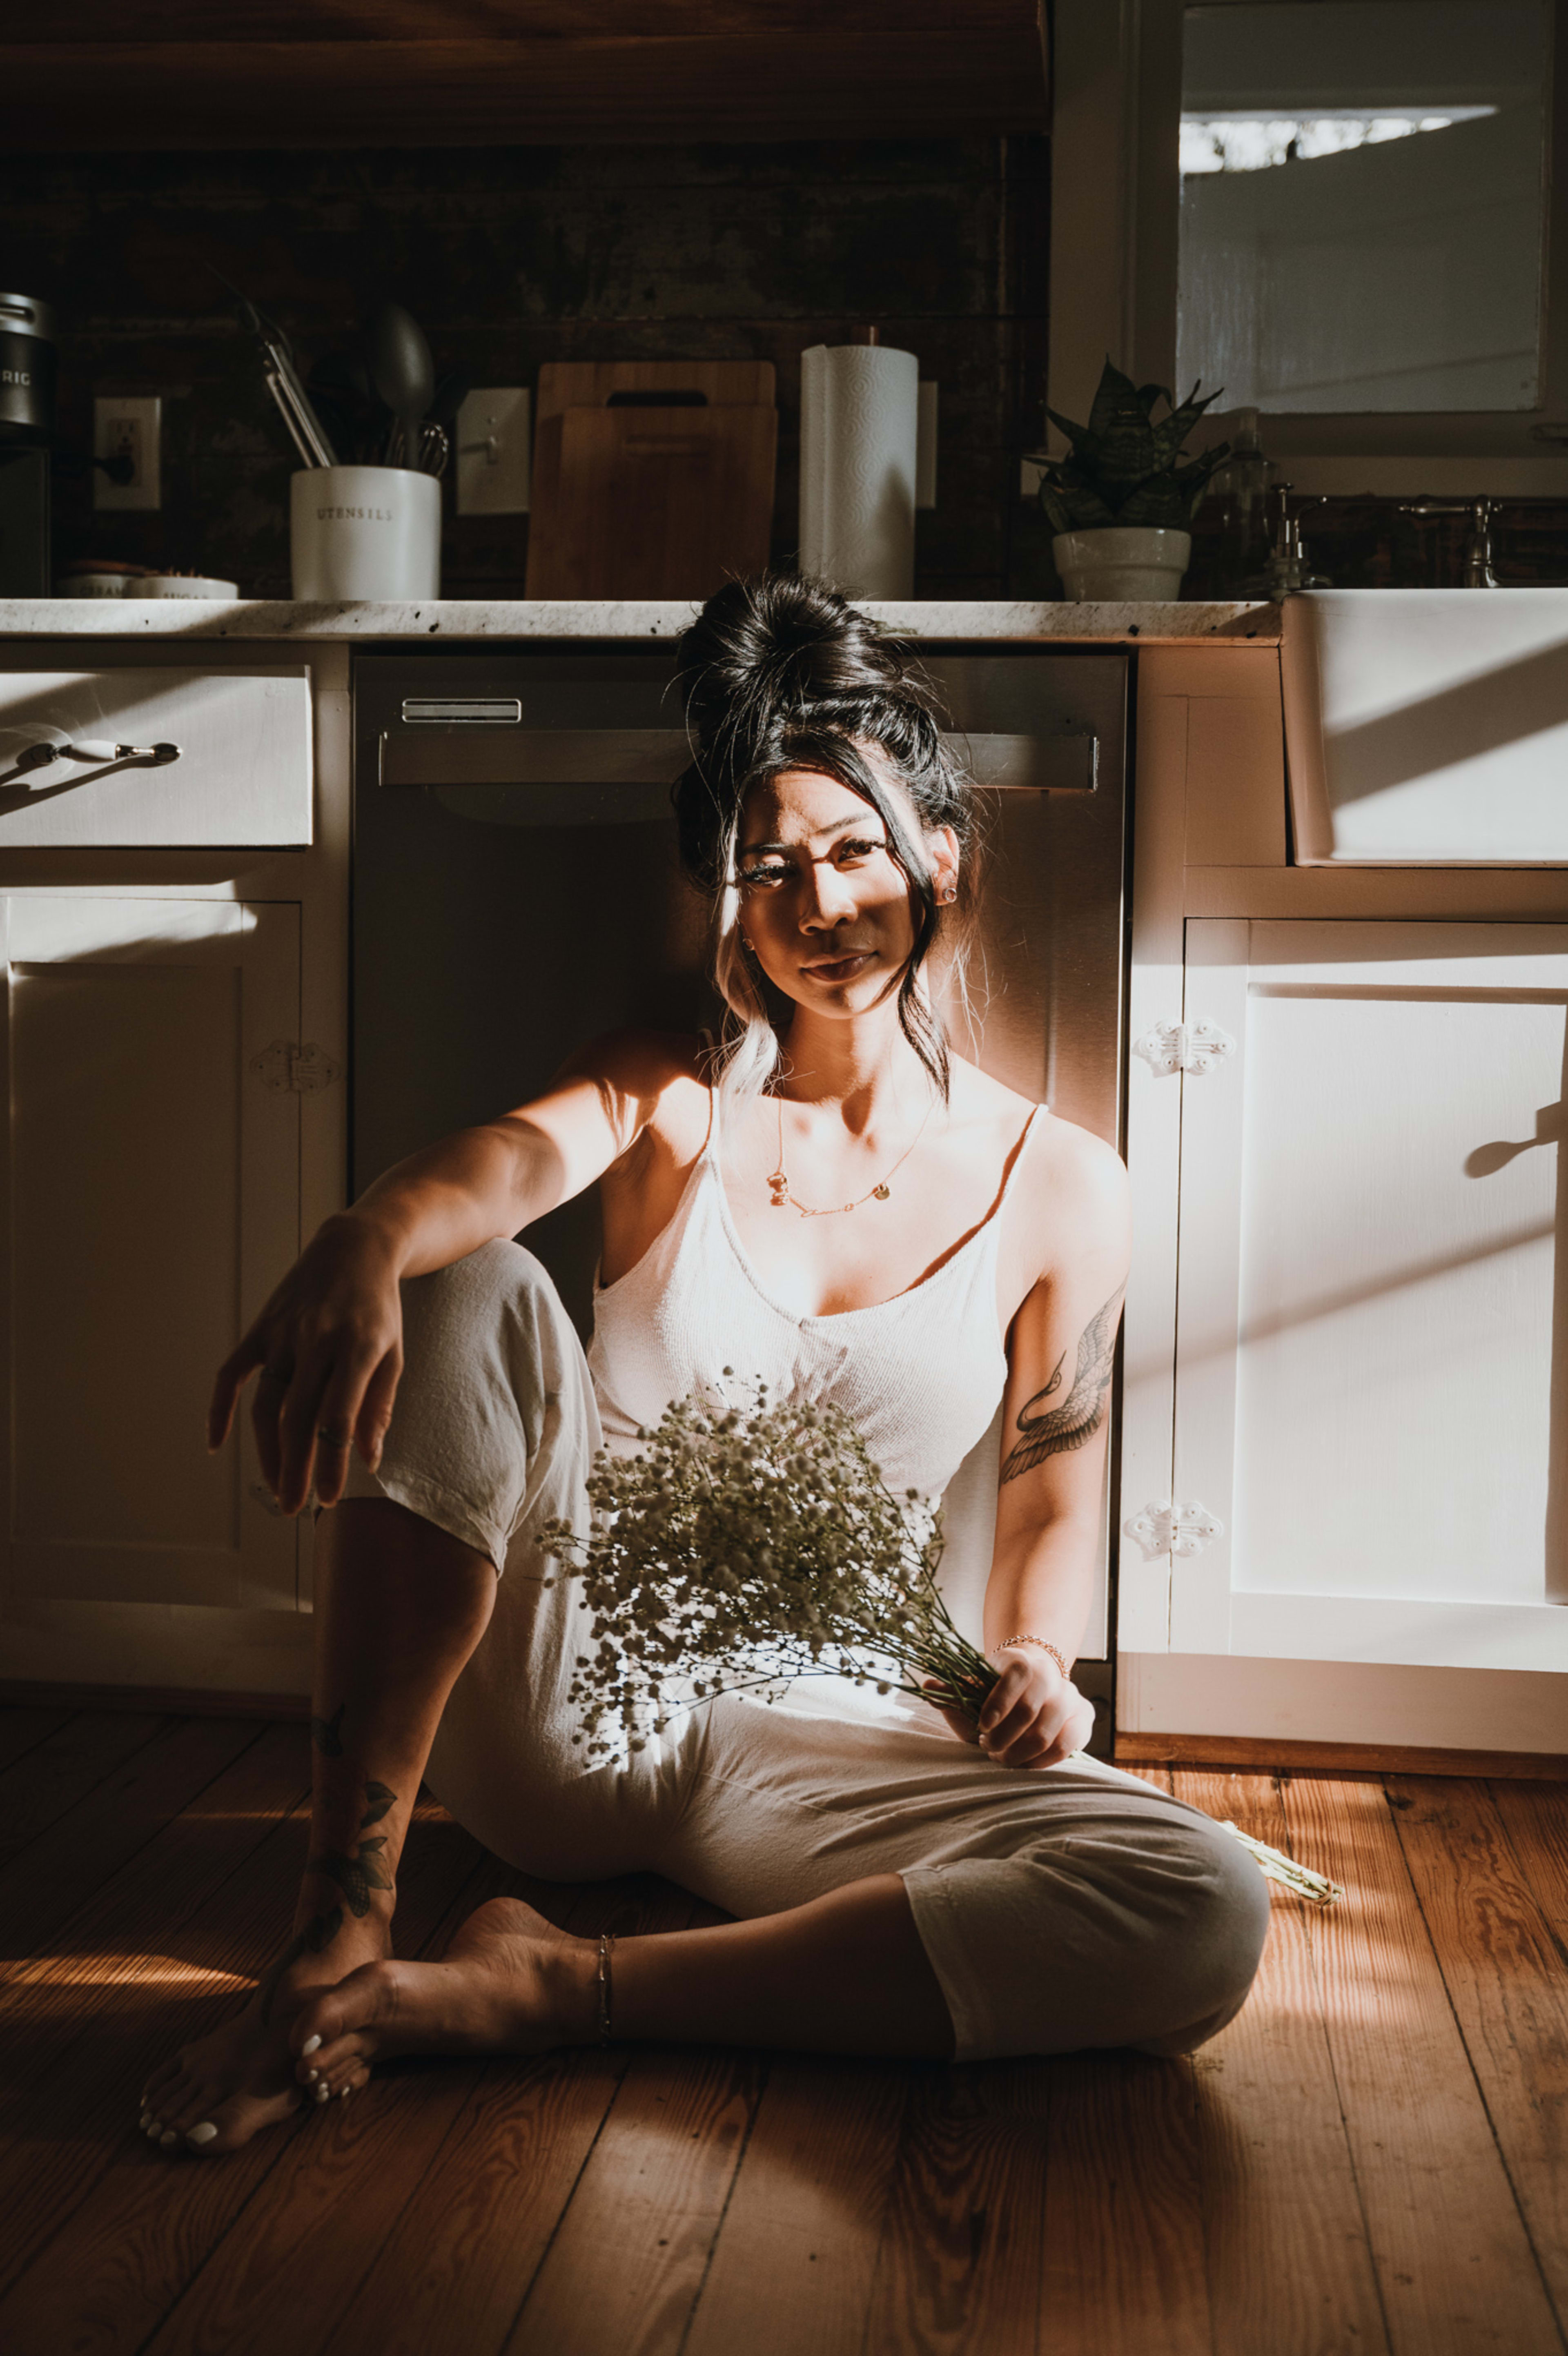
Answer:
(398, 359)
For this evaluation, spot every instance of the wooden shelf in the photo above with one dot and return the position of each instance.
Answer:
(434, 73)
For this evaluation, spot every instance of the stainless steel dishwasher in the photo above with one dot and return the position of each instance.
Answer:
(516, 890)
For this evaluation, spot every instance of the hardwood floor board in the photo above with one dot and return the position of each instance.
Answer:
(140, 1909)
(796, 2259)
(21, 1729)
(959, 2266)
(1535, 1818)
(55, 1774)
(625, 2268)
(44, 1884)
(463, 2253)
(1454, 2266)
(158, 2234)
(1290, 2268)
(77, 2043)
(1123, 2271)
(1505, 1981)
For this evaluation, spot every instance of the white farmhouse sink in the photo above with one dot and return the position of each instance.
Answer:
(1428, 727)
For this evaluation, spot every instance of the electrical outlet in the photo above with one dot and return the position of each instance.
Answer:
(128, 428)
(493, 474)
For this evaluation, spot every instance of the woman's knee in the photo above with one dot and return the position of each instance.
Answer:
(1214, 1942)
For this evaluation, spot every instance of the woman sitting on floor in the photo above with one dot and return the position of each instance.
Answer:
(841, 1208)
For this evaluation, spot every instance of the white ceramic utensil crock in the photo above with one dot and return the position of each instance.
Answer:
(364, 533)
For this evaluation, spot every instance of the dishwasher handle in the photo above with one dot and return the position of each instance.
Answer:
(436, 755)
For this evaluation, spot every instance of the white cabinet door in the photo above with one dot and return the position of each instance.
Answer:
(1373, 1324)
(152, 1183)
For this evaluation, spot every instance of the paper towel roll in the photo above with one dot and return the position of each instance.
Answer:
(860, 408)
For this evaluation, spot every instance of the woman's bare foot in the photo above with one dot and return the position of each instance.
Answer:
(218, 2091)
(510, 1983)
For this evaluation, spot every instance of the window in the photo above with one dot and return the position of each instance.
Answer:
(1338, 210)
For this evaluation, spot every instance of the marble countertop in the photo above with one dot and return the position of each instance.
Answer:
(469, 619)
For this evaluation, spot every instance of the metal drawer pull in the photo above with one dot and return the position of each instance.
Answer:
(463, 711)
(96, 748)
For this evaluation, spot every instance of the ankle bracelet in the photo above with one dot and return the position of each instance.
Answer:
(607, 1947)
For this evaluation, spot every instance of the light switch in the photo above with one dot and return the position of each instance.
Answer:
(128, 427)
(493, 471)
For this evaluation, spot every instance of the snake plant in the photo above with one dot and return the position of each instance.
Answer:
(1125, 467)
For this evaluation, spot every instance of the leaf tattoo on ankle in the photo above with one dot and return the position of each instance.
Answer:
(327, 1733)
(366, 1870)
(1078, 1418)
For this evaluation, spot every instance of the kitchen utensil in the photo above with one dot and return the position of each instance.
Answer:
(651, 501)
(435, 446)
(398, 359)
(283, 382)
(449, 396)
(354, 418)
(27, 369)
(365, 532)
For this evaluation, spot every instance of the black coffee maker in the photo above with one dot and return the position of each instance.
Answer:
(26, 433)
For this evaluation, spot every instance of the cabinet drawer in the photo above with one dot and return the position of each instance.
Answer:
(109, 759)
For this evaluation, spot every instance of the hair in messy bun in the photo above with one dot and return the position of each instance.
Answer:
(782, 672)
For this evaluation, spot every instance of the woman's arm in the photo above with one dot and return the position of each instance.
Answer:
(1062, 1351)
(328, 1342)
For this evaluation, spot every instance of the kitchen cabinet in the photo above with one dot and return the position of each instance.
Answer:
(1371, 1325)
(1344, 1504)
(432, 74)
(173, 956)
(151, 1171)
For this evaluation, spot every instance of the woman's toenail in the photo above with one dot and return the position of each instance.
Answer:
(324, 2094)
(311, 2076)
(145, 2122)
(155, 2128)
(310, 2045)
(344, 2093)
(169, 2137)
(202, 2133)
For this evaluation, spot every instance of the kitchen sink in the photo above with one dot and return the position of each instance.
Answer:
(1428, 727)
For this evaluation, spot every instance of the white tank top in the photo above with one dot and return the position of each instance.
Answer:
(920, 1376)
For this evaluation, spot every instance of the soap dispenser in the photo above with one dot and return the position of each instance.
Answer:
(1288, 566)
(1241, 567)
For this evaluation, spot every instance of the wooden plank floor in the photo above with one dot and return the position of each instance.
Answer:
(1372, 2160)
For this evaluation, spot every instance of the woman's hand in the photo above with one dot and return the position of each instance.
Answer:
(329, 1345)
(1033, 1716)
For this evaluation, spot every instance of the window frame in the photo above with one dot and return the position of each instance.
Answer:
(1116, 211)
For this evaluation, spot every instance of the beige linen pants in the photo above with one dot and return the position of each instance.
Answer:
(1063, 1908)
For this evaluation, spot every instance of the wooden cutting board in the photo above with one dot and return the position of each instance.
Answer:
(651, 501)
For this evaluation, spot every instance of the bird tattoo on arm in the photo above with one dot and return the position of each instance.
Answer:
(1054, 1431)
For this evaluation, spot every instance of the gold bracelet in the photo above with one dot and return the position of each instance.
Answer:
(1045, 1646)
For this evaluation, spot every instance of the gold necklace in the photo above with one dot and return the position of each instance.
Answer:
(778, 1182)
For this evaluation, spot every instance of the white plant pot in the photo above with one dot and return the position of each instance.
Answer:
(1121, 564)
(365, 532)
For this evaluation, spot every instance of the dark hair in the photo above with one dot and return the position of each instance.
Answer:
(780, 672)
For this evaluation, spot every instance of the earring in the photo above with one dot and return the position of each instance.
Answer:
(950, 895)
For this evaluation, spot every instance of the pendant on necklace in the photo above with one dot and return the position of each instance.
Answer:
(779, 1188)
(880, 1194)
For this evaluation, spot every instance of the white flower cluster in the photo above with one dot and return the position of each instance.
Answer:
(746, 1545)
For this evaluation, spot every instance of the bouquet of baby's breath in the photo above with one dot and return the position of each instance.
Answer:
(746, 1545)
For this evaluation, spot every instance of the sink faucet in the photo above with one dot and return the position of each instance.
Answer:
(1478, 573)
